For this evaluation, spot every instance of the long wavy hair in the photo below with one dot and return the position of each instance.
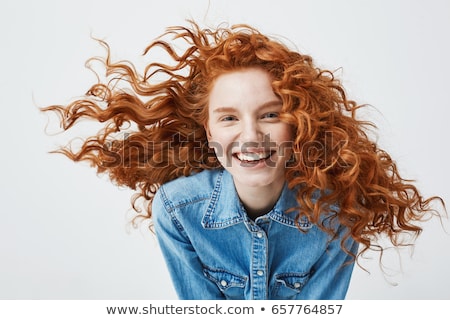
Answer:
(154, 130)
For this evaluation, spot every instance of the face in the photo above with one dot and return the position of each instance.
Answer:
(244, 128)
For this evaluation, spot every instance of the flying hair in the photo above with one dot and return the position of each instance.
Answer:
(166, 107)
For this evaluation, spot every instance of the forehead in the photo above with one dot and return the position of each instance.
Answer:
(243, 87)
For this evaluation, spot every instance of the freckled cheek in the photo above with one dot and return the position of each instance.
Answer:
(285, 136)
(222, 143)
(284, 141)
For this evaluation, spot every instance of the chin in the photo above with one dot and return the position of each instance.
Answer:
(257, 181)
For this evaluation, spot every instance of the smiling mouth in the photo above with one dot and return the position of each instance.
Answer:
(253, 157)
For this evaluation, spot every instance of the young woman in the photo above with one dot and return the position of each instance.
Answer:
(259, 179)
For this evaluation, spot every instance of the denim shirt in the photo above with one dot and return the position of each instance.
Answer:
(214, 251)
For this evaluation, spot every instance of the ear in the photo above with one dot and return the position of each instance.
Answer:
(208, 132)
(208, 135)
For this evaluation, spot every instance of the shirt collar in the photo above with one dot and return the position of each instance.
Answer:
(225, 208)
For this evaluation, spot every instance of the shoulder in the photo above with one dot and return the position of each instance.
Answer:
(193, 188)
(203, 181)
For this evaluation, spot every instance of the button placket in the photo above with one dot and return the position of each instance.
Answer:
(259, 264)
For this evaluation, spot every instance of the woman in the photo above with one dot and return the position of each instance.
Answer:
(260, 180)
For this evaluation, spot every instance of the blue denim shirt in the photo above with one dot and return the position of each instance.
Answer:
(214, 251)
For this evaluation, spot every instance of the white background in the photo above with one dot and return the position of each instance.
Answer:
(64, 231)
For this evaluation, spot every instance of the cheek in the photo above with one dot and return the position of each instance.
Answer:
(219, 141)
(284, 134)
(284, 140)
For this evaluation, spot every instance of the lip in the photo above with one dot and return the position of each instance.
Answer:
(253, 156)
(254, 159)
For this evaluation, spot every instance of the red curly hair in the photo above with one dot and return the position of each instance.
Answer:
(167, 105)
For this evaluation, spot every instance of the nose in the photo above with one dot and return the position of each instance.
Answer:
(251, 132)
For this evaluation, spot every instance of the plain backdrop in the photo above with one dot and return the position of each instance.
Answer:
(65, 232)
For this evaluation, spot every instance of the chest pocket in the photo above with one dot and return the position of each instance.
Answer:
(288, 285)
(231, 285)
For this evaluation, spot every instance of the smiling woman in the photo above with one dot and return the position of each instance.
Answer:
(259, 178)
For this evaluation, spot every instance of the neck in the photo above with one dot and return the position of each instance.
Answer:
(259, 200)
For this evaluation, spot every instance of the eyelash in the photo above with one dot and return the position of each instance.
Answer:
(274, 114)
(228, 118)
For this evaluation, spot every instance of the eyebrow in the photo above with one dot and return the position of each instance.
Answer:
(263, 106)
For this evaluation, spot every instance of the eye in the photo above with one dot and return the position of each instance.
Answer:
(228, 118)
(271, 115)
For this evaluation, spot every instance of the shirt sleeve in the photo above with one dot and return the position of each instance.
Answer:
(331, 274)
(185, 267)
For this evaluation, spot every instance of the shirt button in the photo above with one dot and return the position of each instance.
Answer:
(259, 234)
(297, 285)
(260, 272)
(223, 283)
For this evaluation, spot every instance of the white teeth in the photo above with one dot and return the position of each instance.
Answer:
(250, 156)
